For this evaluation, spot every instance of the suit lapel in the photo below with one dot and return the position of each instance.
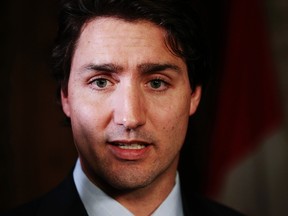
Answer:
(64, 200)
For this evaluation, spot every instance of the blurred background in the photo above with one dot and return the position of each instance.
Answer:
(239, 149)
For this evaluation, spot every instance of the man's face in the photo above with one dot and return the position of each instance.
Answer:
(129, 100)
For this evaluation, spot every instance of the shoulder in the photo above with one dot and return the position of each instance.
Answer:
(26, 209)
(208, 207)
(63, 200)
(200, 206)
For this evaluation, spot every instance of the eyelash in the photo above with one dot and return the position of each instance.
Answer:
(92, 83)
(164, 83)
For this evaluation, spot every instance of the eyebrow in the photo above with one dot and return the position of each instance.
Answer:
(104, 67)
(145, 68)
(155, 67)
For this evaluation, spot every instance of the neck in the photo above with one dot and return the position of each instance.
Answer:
(148, 198)
(144, 201)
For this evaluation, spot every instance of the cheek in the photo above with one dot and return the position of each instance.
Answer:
(176, 128)
(87, 127)
(175, 113)
(89, 109)
(86, 120)
(173, 122)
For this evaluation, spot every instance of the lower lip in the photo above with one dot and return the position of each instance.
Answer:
(129, 154)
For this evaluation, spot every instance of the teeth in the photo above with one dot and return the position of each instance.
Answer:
(131, 146)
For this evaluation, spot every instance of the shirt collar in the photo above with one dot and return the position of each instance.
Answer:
(97, 202)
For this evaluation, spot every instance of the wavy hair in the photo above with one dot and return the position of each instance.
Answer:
(183, 33)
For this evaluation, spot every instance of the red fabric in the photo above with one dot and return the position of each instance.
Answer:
(247, 104)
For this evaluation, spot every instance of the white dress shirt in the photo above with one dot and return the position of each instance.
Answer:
(98, 203)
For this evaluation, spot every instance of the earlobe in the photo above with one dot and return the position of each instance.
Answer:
(195, 99)
(65, 103)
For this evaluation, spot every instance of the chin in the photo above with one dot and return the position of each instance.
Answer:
(131, 182)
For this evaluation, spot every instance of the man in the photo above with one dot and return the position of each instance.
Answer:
(130, 74)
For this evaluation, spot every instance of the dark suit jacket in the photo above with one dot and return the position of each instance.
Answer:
(64, 200)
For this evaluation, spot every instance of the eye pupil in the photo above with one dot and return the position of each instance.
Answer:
(101, 83)
(156, 83)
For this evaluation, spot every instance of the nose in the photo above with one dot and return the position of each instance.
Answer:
(129, 107)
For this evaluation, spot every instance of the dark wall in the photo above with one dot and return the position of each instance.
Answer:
(36, 150)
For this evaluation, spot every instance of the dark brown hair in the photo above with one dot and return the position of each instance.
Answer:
(177, 18)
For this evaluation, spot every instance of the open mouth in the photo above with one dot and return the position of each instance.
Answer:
(133, 146)
(131, 150)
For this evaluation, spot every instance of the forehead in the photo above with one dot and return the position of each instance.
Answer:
(121, 23)
(112, 40)
(111, 32)
(116, 27)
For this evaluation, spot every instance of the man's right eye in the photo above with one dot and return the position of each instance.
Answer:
(100, 83)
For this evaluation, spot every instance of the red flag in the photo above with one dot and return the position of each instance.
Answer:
(247, 107)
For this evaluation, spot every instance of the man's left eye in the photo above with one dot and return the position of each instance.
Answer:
(158, 84)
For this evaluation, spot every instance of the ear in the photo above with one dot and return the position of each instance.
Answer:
(195, 99)
(65, 102)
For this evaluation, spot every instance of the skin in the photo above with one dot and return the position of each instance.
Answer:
(126, 88)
